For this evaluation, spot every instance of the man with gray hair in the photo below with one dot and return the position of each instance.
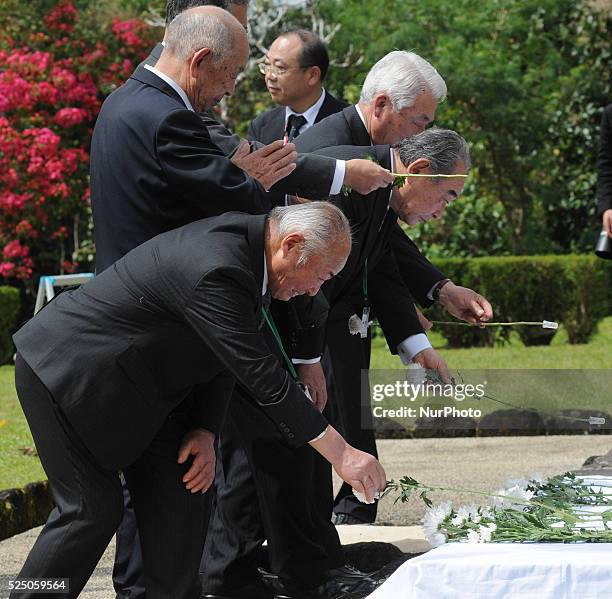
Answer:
(399, 99)
(182, 310)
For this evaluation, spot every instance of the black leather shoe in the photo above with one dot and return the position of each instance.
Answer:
(348, 519)
(343, 582)
(249, 591)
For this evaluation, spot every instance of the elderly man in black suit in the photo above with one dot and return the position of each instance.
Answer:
(398, 99)
(604, 171)
(123, 354)
(295, 67)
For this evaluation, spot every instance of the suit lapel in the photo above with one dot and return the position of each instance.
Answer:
(359, 133)
(276, 125)
(146, 77)
(330, 106)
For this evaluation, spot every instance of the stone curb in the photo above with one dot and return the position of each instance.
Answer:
(499, 423)
(25, 508)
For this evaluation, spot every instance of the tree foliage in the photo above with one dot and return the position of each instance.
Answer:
(527, 80)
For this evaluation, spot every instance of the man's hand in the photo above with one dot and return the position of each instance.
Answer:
(365, 176)
(312, 376)
(269, 164)
(430, 359)
(465, 304)
(199, 444)
(607, 222)
(360, 470)
(423, 320)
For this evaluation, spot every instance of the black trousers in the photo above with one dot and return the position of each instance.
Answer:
(346, 362)
(268, 490)
(89, 503)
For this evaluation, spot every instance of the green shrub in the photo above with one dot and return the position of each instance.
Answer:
(569, 289)
(9, 308)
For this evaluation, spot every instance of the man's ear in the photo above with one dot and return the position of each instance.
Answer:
(291, 244)
(420, 166)
(202, 55)
(314, 75)
(381, 103)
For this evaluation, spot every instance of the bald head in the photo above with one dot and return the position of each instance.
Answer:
(206, 49)
(205, 27)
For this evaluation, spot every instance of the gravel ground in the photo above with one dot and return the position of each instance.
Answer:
(475, 463)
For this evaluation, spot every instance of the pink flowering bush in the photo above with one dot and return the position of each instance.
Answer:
(55, 71)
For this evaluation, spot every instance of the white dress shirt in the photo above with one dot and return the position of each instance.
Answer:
(173, 84)
(311, 115)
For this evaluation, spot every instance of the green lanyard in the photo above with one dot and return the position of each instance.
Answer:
(279, 342)
(366, 300)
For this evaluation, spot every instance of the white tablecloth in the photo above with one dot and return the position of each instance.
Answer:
(507, 570)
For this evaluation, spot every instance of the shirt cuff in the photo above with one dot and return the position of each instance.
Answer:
(338, 181)
(306, 361)
(320, 436)
(411, 346)
(430, 292)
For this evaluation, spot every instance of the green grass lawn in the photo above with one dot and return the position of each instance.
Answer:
(17, 468)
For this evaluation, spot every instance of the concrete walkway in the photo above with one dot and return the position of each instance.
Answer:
(482, 463)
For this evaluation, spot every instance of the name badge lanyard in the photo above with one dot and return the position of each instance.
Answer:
(290, 367)
(365, 315)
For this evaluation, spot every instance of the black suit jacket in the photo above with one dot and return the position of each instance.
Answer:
(604, 163)
(313, 175)
(154, 167)
(184, 309)
(372, 224)
(347, 129)
(270, 125)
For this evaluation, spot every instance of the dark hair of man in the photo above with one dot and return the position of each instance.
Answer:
(176, 7)
(314, 52)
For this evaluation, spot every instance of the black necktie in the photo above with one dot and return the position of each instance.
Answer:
(294, 123)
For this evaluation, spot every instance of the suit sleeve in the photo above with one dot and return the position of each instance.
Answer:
(222, 310)
(392, 302)
(220, 135)
(199, 171)
(418, 273)
(312, 178)
(604, 163)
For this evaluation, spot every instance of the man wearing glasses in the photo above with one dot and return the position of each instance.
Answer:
(294, 68)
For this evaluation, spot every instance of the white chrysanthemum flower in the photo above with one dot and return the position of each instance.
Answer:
(434, 516)
(473, 536)
(507, 495)
(457, 520)
(486, 531)
(536, 477)
(415, 374)
(436, 539)
(361, 497)
(516, 482)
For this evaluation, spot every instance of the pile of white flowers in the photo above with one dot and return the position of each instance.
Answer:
(525, 510)
(562, 509)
